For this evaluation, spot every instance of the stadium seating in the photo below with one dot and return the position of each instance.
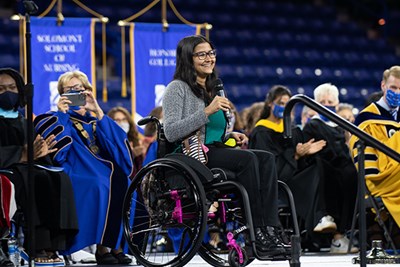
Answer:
(259, 43)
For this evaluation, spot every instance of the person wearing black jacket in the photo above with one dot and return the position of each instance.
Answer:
(338, 169)
(54, 213)
(295, 162)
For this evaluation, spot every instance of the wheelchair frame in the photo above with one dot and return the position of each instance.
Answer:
(207, 183)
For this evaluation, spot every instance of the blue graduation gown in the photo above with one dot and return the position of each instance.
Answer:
(99, 180)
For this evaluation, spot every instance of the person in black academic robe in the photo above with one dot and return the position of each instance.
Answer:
(295, 164)
(338, 168)
(53, 209)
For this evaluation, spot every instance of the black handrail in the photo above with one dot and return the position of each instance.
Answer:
(348, 126)
(365, 139)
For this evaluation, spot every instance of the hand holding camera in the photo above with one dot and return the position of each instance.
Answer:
(71, 99)
(92, 105)
(76, 98)
(83, 99)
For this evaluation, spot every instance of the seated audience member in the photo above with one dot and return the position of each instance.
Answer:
(95, 153)
(251, 116)
(150, 135)
(306, 115)
(54, 213)
(381, 120)
(345, 111)
(123, 118)
(294, 164)
(236, 123)
(150, 130)
(338, 168)
(190, 105)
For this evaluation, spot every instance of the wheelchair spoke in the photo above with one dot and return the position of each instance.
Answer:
(164, 201)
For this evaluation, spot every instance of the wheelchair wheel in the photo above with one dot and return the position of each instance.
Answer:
(166, 200)
(229, 219)
(234, 258)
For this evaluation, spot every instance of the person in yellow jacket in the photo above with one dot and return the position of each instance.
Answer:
(381, 120)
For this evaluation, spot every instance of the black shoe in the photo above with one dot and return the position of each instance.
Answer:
(266, 245)
(274, 234)
(122, 258)
(105, 259)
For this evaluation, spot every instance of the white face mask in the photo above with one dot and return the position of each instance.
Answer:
(124, 126)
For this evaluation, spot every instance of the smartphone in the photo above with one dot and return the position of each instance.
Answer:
(77, 99)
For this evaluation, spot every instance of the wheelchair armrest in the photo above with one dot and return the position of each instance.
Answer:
(201, 170)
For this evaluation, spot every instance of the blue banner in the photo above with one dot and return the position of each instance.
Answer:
(153, 62)
(55, 50)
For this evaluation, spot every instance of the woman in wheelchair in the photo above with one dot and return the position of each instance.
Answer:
(191, 105)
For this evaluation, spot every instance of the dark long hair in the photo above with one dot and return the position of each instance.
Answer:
(275, 92)
(185, 70)
(20, 83)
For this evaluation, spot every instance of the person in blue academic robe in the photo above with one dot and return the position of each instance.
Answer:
(95, 153)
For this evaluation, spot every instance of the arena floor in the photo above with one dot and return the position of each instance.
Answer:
(308, 260)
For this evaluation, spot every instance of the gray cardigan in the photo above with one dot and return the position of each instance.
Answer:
(183, 112)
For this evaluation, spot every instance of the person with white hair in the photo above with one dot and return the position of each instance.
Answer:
(338, 169)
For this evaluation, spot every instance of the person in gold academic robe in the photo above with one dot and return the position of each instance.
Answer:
(381, 120)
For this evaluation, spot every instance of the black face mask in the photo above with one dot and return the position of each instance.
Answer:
(8, 100)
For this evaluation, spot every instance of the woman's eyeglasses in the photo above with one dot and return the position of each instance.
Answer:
(76, 87)
(202, 55)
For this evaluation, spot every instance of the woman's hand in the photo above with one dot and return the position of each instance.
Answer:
(301, 150)
(41, 147)
(51, 142)
(241, 139)
(316, 147)
(218, 103)
(63, 104)
(92, 105)
(309, 148)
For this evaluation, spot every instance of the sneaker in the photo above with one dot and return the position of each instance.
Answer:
(273, 233)
(267, 245)
(341, 246)
(326, 225)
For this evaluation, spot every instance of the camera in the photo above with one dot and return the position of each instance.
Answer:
(77, 99)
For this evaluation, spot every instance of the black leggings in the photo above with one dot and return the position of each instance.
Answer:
(256, 171)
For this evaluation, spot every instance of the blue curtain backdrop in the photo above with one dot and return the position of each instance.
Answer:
(153, 62)
(55, 50)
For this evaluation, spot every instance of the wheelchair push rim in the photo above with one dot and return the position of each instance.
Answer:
(165, 199)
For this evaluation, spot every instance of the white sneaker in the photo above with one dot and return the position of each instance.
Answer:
(341, 245)
(326, 225)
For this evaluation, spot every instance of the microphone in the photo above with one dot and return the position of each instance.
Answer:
(219, 89)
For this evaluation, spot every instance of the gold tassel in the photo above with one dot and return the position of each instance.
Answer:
(104, 46)
(123, 62)
(133, 80)
(93, 55)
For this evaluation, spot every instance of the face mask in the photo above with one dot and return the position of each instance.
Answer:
(8, 100)
(331, 108)
(392, 98)
(278, 111)
(125, 126)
